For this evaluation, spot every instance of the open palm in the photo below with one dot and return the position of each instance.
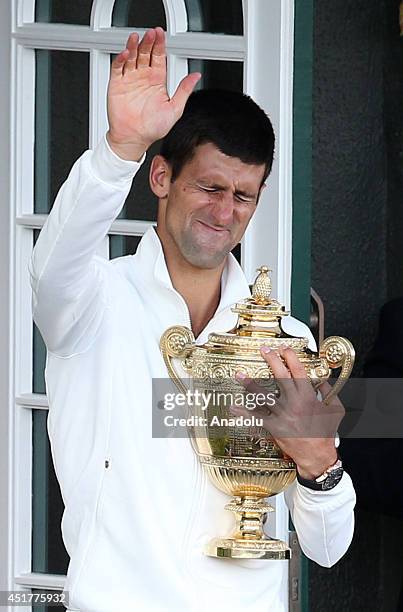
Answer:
(140, 110)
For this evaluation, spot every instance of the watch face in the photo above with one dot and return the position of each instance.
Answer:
(332, 479)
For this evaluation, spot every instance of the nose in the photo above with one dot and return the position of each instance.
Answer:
(223, 209)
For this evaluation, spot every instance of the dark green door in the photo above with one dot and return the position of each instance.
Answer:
(302, 196)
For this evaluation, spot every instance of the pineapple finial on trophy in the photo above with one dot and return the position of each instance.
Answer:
(261, 290)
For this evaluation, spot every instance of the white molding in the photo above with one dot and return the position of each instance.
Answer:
(101, 14)
(32, 400)
(22, 477)
(23, 332)
(176, 15)
(112, 40)
(207, 46)
(99, 77)
(24, 12)
(7, 9)
(31, 221)
(269, 35)
(41, 581)
(126, 227)
(285, 137)
(175, 11)
(24, 128)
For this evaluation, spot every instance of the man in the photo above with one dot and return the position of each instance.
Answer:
(139, 510)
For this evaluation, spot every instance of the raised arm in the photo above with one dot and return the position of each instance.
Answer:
(67, 277)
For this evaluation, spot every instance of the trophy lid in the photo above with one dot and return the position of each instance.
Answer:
(259, 320)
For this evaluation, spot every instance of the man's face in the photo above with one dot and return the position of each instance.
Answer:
(209, 205)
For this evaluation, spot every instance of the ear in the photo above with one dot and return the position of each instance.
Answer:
(160, 177)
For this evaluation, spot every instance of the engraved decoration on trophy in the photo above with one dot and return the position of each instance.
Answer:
(243, 461)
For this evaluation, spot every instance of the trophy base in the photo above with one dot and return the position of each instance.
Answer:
(232, 548)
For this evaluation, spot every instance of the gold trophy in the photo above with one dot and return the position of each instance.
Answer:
(244, 461)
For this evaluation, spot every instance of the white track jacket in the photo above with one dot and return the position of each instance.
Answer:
(138, 509)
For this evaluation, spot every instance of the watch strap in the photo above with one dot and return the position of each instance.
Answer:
(327, 480)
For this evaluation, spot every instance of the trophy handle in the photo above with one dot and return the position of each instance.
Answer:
(177, 341)
(338, 353)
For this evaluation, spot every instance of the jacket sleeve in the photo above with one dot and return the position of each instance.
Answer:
(67, 277)
(324, 520)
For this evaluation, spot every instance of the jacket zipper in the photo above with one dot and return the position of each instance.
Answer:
(200, 476)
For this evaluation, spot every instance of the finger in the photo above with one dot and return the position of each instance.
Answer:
(247, 382)
(297, 370)
(325, 389)
(274, 362)
(132, 46)
(280, 372)
(265, 414)
(183, 91)
(239, 411)
(258, 397)
(118, 63)
(144, 49)
(158, 53)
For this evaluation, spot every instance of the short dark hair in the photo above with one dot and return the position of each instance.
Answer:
(230, 120)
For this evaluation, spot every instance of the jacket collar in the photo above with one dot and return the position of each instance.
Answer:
(151, 260)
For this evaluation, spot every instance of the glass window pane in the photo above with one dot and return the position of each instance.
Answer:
(63, 11)
(214, 16)
(237, 252)
(43, 607)
(119, 246)
(217, 74)
(39, 360)
(139, 13)
(38, 353)
(141, 204)
(48, 552)
(61, 120)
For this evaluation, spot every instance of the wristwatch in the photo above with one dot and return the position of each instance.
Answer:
(326, 481)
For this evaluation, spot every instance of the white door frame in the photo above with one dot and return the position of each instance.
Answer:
(6, 304)
(267, 51)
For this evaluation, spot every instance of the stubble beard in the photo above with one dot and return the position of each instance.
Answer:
(197, 254)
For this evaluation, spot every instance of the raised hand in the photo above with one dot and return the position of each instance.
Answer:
(140, 110)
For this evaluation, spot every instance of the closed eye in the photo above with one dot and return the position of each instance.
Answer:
(239, 197)
(245, 200)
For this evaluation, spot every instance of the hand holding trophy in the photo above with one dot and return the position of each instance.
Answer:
(245, 461)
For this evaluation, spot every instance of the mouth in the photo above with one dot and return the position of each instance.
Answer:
(215, 230)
